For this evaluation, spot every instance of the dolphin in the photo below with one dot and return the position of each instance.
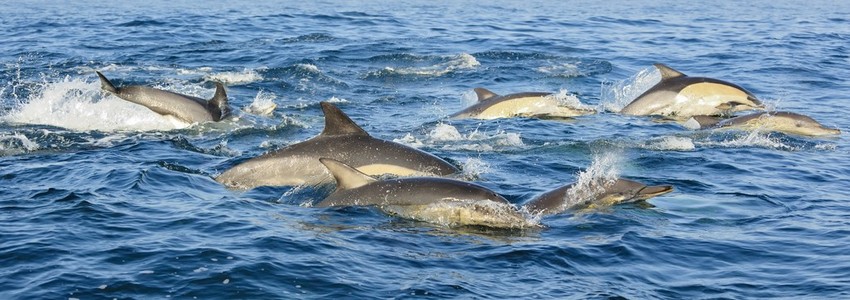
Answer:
(780, 121)
(343, 140)
(618, 191)
(682, 96)
(430, 199)
(186, 108)
(530, 104)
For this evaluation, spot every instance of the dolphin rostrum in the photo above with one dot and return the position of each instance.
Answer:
(530, 104)
(618, 191)
(437, 200)
(682, 96)
(780, 121)
(343, 140)
(186, 108)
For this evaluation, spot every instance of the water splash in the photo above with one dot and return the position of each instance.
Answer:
(76, 104)
(263, 104)
(450, 138)
(602, 173)
(473, 168)
(463, 61)
(670, 143)
(235, 78)
(616, 95)
(16, 143)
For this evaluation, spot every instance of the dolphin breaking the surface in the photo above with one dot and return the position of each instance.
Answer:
(437, 200)
(529, 104)
(343, 140)
(780, 121)
(610, 193)
(682, 96)
(186, 108)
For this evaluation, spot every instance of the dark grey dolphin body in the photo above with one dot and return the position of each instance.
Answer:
(437, 200)
(187, 108)
(621, 190)
(530, 104)
(679, 95)
(341, 140)
(781, 121)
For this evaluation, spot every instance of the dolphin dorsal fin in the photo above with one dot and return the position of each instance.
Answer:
(346, 176)
(338, 123)
(484, 94)
(668, 72)
(219, 101)
(105, 84)
(705, 121)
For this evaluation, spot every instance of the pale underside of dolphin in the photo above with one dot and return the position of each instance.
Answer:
(618, 191)
(186, 108)
(682, 96)
(781, 121)
(342, 140)
(530, 104)
(442, 201)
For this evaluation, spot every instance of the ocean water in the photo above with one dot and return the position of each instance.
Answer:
(104, 199)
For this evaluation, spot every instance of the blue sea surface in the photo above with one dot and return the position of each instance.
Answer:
(104, 199)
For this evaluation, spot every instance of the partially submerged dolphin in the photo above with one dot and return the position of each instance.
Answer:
(618, 191)
(679, 95)
(343, 140)
(437, 200)
(532, 104)
(781, 121)
(187, 108)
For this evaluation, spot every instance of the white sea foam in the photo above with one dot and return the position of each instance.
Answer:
(235, 78)
(562, 70)
(474, 167)
(334, 99)
(565, 98)
(616, 95)
(752, 139)
(78, 105)
(451, 139)
(463, 61)
(671, 143)
(16, 143)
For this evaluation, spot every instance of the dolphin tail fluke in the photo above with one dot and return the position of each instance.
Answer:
(346, 176)
(484, 94)
(338, 123)
(667, 72)
(219, 101)
(105, 84)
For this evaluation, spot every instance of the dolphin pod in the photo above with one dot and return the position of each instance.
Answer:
(682, 96)
(781, 121)
(341, 139)
(187, 108)
(529, 104)
(345, 153)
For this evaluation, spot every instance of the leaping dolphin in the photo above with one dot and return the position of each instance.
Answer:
(436, 200)
(187, 108)
(619, 191)
(531, 104)
(682, 96)
(342, 140)
(781, 121)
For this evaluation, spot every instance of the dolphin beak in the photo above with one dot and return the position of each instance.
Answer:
(653, 191)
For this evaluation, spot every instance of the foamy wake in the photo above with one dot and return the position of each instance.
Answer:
(603, 172)
(562, 70)
(451, 139)
(76, 104)
(463, 61)
(670, 143)
(751, 139)
(235, 78)
(473, 168)
(616, 95)
(565, 98)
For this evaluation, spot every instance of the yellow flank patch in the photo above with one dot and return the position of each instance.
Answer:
(515, 107)
(707, 89)
(380, 169)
